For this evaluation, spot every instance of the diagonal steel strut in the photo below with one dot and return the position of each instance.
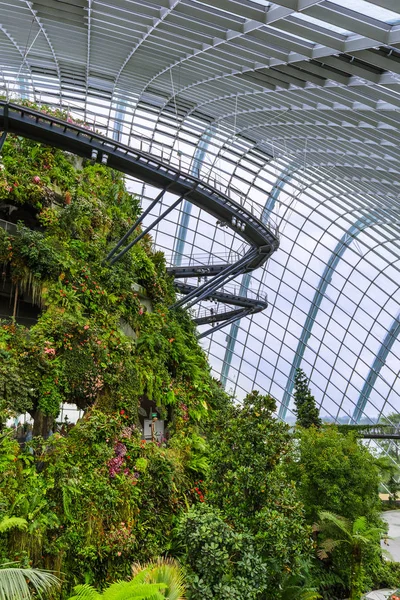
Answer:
(149, 228)
(208, 287)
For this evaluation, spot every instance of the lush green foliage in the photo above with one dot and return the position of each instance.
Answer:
(221, 562)
(306, 409)
(336, 473)
(91, 502)
(248, 480)
(354, 538)
(260, 525)
(78, 351)
(231, 491)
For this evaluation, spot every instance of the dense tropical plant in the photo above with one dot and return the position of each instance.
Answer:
(159, 580)
(352, 537)
(335, 473)
(220, 561)
(121, 590)
(247, 482)
(163, 570)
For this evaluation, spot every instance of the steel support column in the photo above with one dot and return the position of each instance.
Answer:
(374, 371)
(244, 286)
(319, 294)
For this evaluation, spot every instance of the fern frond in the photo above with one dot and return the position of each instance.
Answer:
(329, 520)
(85, 592)
(12, 523)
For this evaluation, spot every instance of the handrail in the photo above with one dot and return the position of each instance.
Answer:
(205, 259)
(211, 176)
(170, 171)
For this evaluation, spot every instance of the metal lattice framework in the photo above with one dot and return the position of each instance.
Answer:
(293, 104)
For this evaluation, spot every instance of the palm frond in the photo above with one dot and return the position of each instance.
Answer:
(124, 590)
(17, 583)
(164, 570)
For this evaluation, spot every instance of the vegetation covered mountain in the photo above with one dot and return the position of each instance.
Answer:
(69, 215)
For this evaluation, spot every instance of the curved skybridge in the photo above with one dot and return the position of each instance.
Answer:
(157, 165)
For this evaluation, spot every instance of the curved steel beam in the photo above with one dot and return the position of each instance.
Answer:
(198, 160)
(379, 361)
(319, 294)
(244, 286)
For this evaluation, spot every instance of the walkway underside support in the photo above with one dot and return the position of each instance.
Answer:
(203, 291)
(136, 224)
(220, 325)
(146, 231)
(222, 319)
(217, 317)
(180, 272)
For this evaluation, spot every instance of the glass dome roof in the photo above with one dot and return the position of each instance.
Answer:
(294, 106)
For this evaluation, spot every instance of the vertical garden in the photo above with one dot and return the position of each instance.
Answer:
(250, 509)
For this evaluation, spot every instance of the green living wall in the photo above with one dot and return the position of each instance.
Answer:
(230, 492)
(87, 501)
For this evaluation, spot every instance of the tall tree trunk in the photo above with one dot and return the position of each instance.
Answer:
(42, 424)
(355, 577)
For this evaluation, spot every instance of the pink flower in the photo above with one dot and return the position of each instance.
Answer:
(36, 179)
(86, 327)
(119, 553)
(140, 311)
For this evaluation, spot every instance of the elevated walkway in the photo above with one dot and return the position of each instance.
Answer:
(220, 316)
(167, 172)
(373, 432)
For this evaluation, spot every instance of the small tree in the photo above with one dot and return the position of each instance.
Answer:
(248, 481)
(306, 410)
